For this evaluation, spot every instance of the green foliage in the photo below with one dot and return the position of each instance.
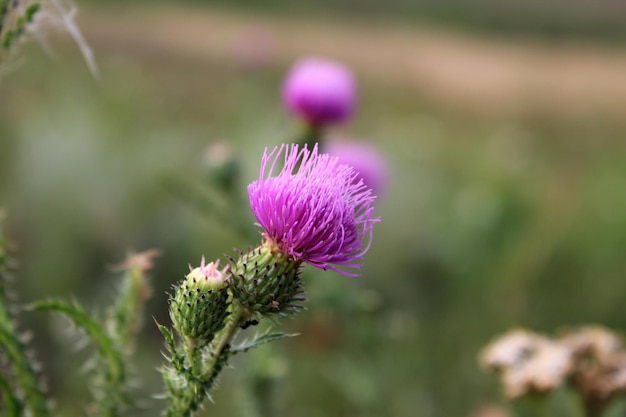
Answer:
(12, 33)
(176, 359)
(192, 374)
(3, 262)
(491, 220)
(14, 352)
(12, 405)
(110, 369)
(194, 369)
(260, 340)
(126, 316)
(113, 337)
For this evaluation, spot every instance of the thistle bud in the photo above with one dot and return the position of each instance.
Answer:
(200, 304)
(267, 281)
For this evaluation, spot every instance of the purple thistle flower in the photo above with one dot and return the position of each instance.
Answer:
(313, 210)
(320, 91)
(364, 158)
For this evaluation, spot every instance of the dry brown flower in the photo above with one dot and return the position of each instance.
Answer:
(592, 359)
(599, 372)
(508, 350)
(592, 341)
(143, 261)
(527, 362)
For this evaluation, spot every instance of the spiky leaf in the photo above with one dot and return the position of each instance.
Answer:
(13, 348)
(12, 405)
(110, 396)
(260, 340)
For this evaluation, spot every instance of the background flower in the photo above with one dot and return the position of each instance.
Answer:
(366, 160)
(320, 91)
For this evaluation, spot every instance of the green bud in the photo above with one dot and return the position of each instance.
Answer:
(200, 304)
(266, 281)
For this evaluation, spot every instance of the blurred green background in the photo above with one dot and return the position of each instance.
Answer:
(506, 203)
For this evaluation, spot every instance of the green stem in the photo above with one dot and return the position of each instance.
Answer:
(224, 337)
(126, 317)
(200, 379)
(193, 355)
(4, 9)
(311, 135)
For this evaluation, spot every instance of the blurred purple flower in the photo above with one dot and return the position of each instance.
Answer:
(365, 159)
(320, 91)
(313, 210)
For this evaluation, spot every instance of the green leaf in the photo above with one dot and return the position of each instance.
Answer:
(177, 360)
(20, 22)
(125, 318)
(81, 319)
(260, 340)
(15, 351)
(12, 405)
(30, 12)
(167, 334)
(3, 268)
(110, 397)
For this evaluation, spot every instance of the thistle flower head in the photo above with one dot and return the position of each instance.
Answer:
(365, 159)
(312, 210)
(320, 91)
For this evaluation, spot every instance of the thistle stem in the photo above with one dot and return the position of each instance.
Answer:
(186, 400)
(224, 337)
(193, 354)
(310, 136)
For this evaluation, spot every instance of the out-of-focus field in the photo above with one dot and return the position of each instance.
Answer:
(479, 73)
(506, 204)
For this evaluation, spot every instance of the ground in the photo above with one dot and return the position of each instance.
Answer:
(469, 71)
